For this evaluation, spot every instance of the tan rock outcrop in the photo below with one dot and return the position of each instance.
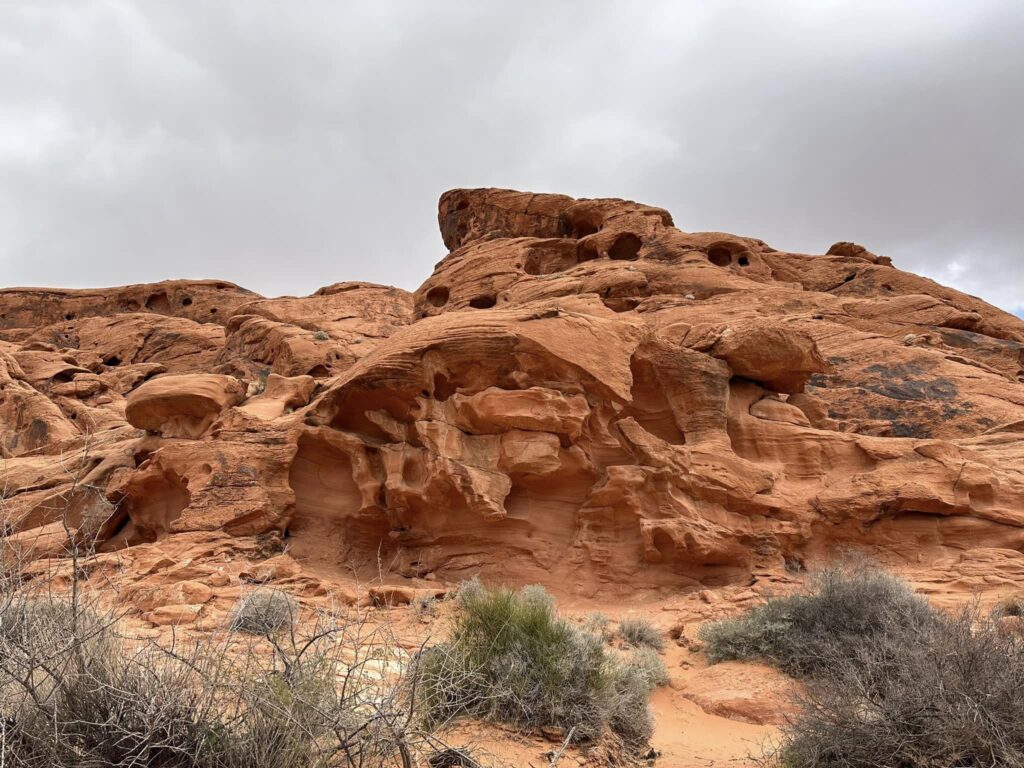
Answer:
(581, 394)
(199, 300)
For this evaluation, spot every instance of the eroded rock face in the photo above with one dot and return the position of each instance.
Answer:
(581, 394)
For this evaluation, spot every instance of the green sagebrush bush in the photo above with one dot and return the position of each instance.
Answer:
(804, 633)
(510, 658)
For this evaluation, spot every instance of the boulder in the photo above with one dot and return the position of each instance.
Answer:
(182, 406)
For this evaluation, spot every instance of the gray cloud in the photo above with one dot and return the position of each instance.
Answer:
(289, 145)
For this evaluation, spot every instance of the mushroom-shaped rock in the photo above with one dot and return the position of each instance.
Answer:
(182, 406)
(781, 358)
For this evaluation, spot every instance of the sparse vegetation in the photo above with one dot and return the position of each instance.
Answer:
(889, 681)
(1009, 606)
(74, 692)
(950, 693)
(641, 633)
(597, 623)
(264, 612)
(650, 665)
(511, 659)
(424, 606)
(804, 634)
(259, 386)
(321, 335)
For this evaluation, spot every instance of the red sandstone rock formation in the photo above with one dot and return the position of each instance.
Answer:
(580, 394)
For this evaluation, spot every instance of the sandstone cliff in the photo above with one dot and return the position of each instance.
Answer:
(581, 394)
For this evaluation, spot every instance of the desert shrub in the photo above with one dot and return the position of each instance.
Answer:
(469, 591)
(75, 693)
(511, 659)
(424, 606)
(536, 595)
(650, 665)
(949, 693)
(803, 634)
(1009, 606)
(452, 758)
(629, 716)
(71, 694)
(321, 335)
(30, 618)
(640, 633)
(264, 612)
(596, 622)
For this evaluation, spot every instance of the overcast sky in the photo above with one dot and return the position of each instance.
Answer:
(288, 145)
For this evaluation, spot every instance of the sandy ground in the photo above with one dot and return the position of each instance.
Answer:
(708, 716)
(688, 737)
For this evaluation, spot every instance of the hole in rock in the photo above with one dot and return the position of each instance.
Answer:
(155, 502)
(551, 257)
(329, 532)
(112, 361)
(665, 546)
(186, 302)
(626, 247)
(743, 261)
(584, 229)
(357, 414)
(443, 387)
(69, 316)
(849, 277)
(158, 302)
(486, 301)
(437, 296)
(720, 256)
(318, 371)
(620, 303)
(213, 310)
(550, 505)
(221, 286)
(650, 406)
(581, 223)
(586, 252)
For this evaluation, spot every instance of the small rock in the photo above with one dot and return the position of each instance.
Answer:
(553, 733)
(167, 615)
(195, 593)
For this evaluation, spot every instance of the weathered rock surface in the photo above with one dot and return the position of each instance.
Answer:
(747, 692)
(580, 394)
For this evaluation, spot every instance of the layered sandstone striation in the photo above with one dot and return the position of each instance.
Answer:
(581, 394)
